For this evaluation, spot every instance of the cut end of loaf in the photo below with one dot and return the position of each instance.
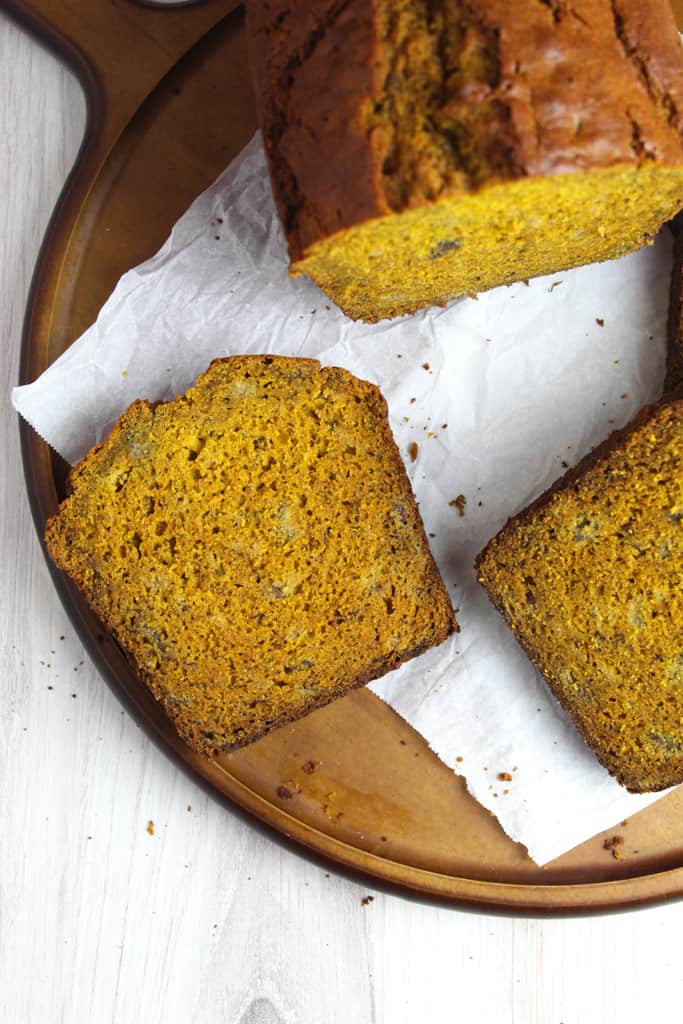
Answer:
(590, 580)
(254, 546)
(469, 243)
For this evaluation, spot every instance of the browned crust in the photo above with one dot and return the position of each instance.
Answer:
(565, 482)
(319, 181)
(193, 734)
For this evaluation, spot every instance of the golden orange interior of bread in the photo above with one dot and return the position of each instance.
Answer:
(254, 546)
(590, 579)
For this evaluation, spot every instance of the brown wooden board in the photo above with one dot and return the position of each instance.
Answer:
(170, 105)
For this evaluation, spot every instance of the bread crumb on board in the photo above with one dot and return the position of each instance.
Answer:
(614, 844)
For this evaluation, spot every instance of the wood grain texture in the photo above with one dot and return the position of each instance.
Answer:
(208, 919)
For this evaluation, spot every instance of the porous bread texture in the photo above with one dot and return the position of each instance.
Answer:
(590, 580)
(423, 151)
(254, 546)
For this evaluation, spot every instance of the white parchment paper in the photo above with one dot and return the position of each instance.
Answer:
(499, 393)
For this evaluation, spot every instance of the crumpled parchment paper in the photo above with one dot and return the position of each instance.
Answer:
(498, 393)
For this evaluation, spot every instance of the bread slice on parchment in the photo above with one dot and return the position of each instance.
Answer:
(254, 546)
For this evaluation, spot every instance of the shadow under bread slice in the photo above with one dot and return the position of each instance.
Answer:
(590, 580)
(254, 546)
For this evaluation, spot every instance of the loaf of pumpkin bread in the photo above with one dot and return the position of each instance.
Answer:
(422, 151)
(590, 580)
(254, 546)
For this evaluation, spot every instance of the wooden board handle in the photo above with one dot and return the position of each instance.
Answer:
(120, 50)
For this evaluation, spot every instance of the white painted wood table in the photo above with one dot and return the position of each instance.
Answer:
(208, 919)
